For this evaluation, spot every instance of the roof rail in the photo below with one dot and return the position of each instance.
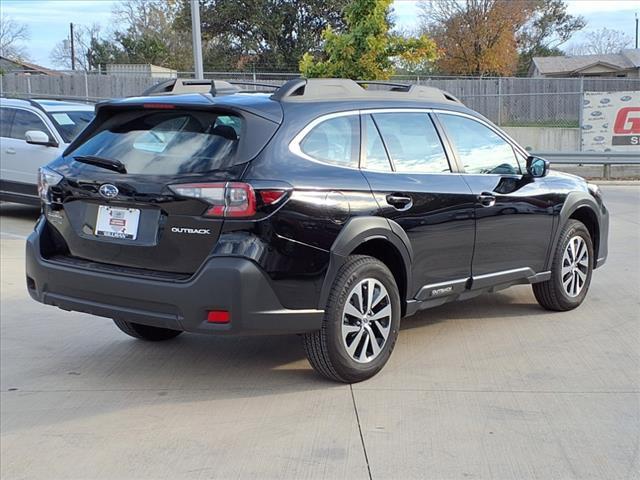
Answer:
(316, 89)
(179, 86)
(30, 101)
(293, 87)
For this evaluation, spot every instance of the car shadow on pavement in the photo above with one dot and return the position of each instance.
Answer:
(84, 357)
(14, 210)
(508, 304)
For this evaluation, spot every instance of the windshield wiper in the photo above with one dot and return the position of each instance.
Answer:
(108, 163)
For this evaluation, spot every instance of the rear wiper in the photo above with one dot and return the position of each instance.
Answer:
(108, 163)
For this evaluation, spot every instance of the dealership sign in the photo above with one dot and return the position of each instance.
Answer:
(611, 122)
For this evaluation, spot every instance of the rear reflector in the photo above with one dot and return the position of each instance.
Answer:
(218, 316)
(270, 197)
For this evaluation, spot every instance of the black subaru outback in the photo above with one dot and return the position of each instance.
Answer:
(324, 209)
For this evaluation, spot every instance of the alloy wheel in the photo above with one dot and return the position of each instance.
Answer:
(575, 266)
(366, 320)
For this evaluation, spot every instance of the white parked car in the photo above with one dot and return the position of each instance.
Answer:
(32, 134)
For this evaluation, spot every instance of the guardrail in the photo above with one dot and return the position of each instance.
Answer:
(606, 159)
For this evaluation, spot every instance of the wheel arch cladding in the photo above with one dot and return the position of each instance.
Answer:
(588, 217)
(376, 237)
(582, 207)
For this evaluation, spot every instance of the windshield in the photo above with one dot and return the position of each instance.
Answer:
(71, 123)
(166, 143)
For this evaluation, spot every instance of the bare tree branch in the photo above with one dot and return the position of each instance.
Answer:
(12, 34)
(601, 42)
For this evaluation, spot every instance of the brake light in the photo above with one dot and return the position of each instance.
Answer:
(159, 106)
(233, 199)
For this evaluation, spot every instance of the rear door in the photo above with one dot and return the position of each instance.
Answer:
(404, 160)
(165, 208)
(514, 211)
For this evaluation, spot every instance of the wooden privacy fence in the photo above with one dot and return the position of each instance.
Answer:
(554, 102)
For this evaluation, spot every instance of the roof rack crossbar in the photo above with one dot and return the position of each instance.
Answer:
(255, 84)
(383, 83)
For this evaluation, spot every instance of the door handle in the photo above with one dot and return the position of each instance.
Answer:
(10, 151)
(486, 199)
(399, 202)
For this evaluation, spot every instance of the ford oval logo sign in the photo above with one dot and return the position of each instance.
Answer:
(109, 191)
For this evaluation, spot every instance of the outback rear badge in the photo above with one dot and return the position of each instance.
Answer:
(197, 231)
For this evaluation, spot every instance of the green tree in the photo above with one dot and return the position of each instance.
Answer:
(548, 27)
(266, 34)
(367, 50)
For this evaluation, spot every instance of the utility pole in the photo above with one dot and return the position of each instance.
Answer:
(197, 39)
(636, 30)
(73, 49)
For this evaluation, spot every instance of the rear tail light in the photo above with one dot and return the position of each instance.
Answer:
(233, 199)
(47, 178)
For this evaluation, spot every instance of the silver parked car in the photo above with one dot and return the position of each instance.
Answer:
(32, 134)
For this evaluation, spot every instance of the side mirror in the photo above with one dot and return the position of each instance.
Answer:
(38, 137)
(537, 167)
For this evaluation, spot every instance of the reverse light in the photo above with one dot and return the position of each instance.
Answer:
(47, 178)
(218, 316)
(232, 199)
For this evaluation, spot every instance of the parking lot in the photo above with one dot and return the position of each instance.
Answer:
(494, 387)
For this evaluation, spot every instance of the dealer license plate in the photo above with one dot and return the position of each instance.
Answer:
(117, 222)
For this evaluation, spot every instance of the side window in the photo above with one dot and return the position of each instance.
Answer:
(412, 142)
(25, 121)
(376, 156)
(335, 141)
(479, 148)
(6, 116)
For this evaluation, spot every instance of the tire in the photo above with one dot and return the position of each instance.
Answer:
(145, 332)
(558, 293)
(343, 349)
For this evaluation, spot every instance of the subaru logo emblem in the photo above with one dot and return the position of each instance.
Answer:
(109, 191)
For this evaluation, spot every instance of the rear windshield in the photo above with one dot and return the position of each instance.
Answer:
(166, 143)
(71, 123)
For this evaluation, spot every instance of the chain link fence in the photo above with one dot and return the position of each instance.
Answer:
(507, 101)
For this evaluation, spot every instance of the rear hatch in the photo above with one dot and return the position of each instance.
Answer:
(148, 186)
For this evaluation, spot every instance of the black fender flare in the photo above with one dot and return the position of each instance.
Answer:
(573, 202)
(357, 231)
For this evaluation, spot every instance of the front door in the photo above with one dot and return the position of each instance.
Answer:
(513, 211)
(405, 163)
(20, 160)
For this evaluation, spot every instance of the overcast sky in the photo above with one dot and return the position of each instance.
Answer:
(48, 20)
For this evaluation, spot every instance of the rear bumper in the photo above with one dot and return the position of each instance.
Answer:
(224, 283)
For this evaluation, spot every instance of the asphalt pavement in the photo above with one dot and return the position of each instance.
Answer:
(492, 388)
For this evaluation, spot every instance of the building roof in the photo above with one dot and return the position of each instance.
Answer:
(30, 67)
(625, 60)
